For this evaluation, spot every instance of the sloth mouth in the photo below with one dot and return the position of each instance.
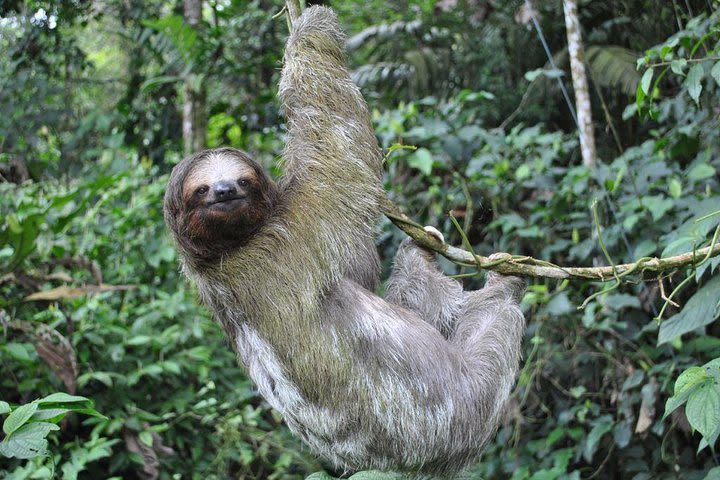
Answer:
(226, 204)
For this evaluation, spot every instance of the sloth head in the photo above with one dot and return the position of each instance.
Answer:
(216, 200)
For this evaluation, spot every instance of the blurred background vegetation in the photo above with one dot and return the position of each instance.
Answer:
(92, 96)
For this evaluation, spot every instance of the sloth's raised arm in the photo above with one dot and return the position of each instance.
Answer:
(332, 160)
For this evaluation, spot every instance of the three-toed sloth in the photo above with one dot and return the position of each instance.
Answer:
(413, 382)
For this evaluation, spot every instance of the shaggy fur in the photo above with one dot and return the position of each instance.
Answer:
(414, 382)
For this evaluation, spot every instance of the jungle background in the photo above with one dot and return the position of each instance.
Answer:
(110, 369)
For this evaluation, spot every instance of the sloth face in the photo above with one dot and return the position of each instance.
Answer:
(220, 188)
(217, 199)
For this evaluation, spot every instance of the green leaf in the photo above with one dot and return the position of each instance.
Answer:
(560, 305)
(639, 98)
(664, 51)
(28, 441)
(646, 80)
(678, 66)
(61, 397)
(700, 310)
(692, 83)
(152, 82)
(715, 72)
(19, 351)
(320, 476)
(713, 368)
(102, 377)
(675, 188)
(470, 133)
(703, 410)
(701, 172)
(146, 438)
(689, 378)
(53, 415)
(18, 417)
(422, 160)
(4, 407)
(140, 340)
(645, 248)
(522, 172)
(713, 474)
(658, 205)
(593, 439)
(688, 381)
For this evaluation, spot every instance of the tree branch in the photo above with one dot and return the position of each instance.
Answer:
(527, 266)
(531, 267)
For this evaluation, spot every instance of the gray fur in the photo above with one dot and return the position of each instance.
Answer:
(415, 382)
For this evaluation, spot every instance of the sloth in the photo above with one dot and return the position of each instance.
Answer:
(415, 381)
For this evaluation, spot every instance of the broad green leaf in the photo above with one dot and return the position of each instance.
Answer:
(50, 414)
(646, 80)
(715, 72)
(703, 410)
(593, 439)
(4, 407)
(692, 83)
(522, 172)
(102, 377)
(675, 188)
(422, 160)
(320, 476)
(89, 412)
(470, 133)
(140, 340)
(664, 51)
(18, 417)
(621, 300)
(700, 310)
(688, 381)
(689, 378)
(146, 438)
(713, 368)
(19, 351)
(701, 172)
(28, 441)
(61, 397)
(644, 248)
(678, 66)
(622, 433)
(713, 474)
(152, 82)
(658, 205)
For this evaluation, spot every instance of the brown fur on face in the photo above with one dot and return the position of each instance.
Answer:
(216, 200)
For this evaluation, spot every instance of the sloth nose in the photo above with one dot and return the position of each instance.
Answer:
(224, 190)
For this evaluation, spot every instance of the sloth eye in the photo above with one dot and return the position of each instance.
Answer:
(243, 183)
(202, 190)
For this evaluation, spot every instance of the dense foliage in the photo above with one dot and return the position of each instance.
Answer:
(92, 303)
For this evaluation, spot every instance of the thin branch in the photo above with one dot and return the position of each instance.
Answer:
(531, 267)
(294, 9)
(689, 60)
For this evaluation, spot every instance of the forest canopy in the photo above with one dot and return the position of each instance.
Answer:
(111, 369)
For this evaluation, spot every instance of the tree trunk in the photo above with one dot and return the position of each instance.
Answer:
(194, 107)
(580, 83)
